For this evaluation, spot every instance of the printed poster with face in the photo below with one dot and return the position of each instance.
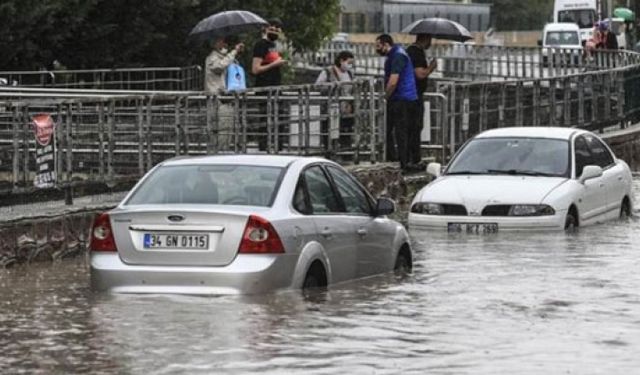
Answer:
(44, 129)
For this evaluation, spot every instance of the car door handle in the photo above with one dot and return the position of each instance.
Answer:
(362, 232)
(619, 178)
(326, 233)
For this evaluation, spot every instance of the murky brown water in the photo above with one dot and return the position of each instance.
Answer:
(511, 303)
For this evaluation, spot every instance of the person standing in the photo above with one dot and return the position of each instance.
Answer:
(215, 76)
(422, 70)
(267, 62)
(401, 95)
(266, 67)
(341, 71)
(216, 65)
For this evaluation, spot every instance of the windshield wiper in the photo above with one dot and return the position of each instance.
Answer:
(465, 172)
(523, 172)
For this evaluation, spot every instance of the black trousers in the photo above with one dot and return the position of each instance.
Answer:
(415, 132)
(398, 124)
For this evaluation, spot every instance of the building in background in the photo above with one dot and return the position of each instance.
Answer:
(391, 16)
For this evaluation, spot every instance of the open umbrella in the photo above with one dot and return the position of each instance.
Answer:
(624, 13)
(227, 23)
(440, 28)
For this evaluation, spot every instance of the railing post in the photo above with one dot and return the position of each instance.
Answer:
(607, 97)
(110, 139)
(213, 135)
(307, 120)
(552, 102)
(357, 121)
(536, 103)
(621, 98)
(581, 101)
(176, 125)
(567, 101)
(269, 122)
(101, 169)
(69, 143)
(16, 145)
(276, 123)
(140, 115)
(519, 105)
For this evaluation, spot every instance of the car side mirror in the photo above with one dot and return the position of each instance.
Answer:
(539, 42)
(434, 169)
(590, 172)
(385, 206)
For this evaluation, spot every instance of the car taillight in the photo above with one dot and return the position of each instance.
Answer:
(102, 235)
(260, 238)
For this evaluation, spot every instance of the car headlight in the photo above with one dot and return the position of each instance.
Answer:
(531, 210)
(427, 208)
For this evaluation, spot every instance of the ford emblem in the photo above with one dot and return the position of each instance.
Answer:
(175, 218)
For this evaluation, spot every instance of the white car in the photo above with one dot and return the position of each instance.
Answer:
(244, 224)
(529, 178)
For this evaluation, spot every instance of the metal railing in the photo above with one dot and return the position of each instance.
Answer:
(476, 62)
(158, 79)
(103, 138)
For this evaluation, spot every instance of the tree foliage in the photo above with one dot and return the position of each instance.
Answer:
(123, 33)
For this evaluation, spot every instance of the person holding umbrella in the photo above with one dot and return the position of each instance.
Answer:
(400, 92)
(217, 63)
(422, 70)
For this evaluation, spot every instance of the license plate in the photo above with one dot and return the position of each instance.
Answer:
(482, 228)
(176, 241)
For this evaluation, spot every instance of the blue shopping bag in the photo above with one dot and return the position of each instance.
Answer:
(235, 77)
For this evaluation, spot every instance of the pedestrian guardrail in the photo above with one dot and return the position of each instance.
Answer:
(477, 62)
(107, 137)
(173, 78)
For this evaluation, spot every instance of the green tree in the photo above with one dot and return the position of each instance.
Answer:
(123, 33)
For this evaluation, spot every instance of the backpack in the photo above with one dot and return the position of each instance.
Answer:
(236, 78)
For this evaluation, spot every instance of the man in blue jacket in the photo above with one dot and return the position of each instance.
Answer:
(401, 95)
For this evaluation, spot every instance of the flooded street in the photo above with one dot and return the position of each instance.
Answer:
(509, 303)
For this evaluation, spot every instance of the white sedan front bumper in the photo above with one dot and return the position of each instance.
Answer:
(505, 223)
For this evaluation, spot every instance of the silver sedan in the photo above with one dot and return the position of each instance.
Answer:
(244, 224)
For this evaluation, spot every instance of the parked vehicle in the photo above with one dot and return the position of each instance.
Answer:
(244, 224)
(561, 43)
(584, 13)
(529, 178)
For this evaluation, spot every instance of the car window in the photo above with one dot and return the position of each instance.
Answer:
(323, 199)
(355, 200)
(245, 185)
(526, 155)
(300, 199)
(599, 152)
(583, 155)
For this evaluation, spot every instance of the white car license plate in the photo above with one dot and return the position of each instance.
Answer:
(176, 241)
(480, 228)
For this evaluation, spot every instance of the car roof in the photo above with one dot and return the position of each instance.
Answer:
(531, 132)
(561, 26)
(259, 160)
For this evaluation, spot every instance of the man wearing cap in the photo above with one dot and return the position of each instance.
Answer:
(266, 58)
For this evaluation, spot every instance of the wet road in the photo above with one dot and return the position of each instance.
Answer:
(551, 303)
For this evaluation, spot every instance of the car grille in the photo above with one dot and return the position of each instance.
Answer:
(454, 210)
(496, 210)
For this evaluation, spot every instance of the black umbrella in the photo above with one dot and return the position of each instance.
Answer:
(440, 28)
(227, 23)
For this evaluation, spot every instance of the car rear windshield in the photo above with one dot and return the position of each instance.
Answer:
(521, 156)
(244, 185)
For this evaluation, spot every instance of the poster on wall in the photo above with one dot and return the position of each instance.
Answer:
(44, 129)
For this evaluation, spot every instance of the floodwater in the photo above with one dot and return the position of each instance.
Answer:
(546, 303)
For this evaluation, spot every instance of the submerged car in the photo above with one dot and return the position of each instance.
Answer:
(530, 178)
(244, 224)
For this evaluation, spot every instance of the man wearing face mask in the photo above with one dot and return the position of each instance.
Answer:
(266, 58)
(341, 71)
(401, 95)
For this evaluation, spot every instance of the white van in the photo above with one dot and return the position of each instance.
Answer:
(584, 13)
(562, 38)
